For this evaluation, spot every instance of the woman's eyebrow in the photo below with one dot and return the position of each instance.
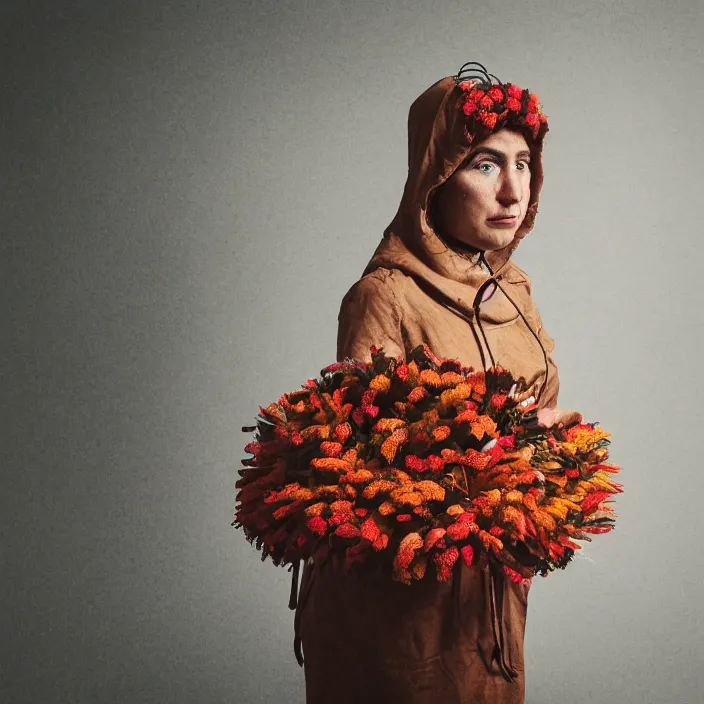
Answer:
(498, 155)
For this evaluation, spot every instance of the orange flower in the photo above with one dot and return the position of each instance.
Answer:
(407, 549)
(430, 378)
(388, 424)
(315, 509)
(417, 394)
(432, 537)
(405, 497)
(431, 491)
(451, 379)
(483, 425)
(418, 567)
(331, 449)
(343, 431)
(380, 382)
(386, 508)
(331, 464)
(383, 485)
(381, 542)
(357, 477)
(441, 433)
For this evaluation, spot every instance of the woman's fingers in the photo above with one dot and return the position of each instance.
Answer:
(549, 417)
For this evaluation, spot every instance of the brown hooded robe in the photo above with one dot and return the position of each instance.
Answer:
(368, 640)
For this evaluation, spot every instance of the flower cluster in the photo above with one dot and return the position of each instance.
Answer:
(418, 463)
(490, 107)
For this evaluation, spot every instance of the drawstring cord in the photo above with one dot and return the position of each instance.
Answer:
(297, 601)
(492, 280)
(492, 574)
(492, 582)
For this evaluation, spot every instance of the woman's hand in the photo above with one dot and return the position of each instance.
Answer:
(545, 417)
(549, 417)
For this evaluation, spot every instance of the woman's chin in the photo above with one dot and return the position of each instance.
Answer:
(494, 243)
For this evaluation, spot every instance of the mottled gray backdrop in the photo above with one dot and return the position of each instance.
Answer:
(188, 190)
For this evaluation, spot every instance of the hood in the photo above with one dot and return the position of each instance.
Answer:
(440, 137)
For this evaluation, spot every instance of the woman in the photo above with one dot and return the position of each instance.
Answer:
(442, 275)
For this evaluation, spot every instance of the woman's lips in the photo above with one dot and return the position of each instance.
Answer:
(503, 221)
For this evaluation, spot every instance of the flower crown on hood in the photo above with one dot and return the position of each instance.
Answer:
(492, 106)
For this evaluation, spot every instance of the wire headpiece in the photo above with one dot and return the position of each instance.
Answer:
(468, 72)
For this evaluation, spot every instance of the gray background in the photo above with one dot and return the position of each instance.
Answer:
(189, 189)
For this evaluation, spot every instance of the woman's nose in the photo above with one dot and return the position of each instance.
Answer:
(510, 188)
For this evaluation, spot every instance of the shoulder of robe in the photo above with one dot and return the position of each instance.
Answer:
(380, 287)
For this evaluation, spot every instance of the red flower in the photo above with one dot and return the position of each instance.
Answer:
(343, 431)
(498, 400)
(467, 555)
(458, 531)
(331, 449)
(347, 530)
(296, 438)
(508, 442)
(469, 107)
(476, 95)
(317, 525)
(495, 93)
(253, 448)
(489, 119)
(532, 119)
(436, 463)
(513, 104)
(415, 463)
(486, 102)
(370, 530)
(515, 91)
(403, 517)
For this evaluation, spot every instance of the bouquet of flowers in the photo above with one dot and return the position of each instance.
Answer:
(406, 464)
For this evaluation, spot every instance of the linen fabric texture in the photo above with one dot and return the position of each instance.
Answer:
(371, 640)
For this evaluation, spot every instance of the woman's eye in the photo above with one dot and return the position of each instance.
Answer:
(480, 166)
(523, 165)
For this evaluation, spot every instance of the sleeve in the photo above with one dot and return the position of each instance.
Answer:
(369, 315)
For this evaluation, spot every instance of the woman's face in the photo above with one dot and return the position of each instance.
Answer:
(484, 202)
